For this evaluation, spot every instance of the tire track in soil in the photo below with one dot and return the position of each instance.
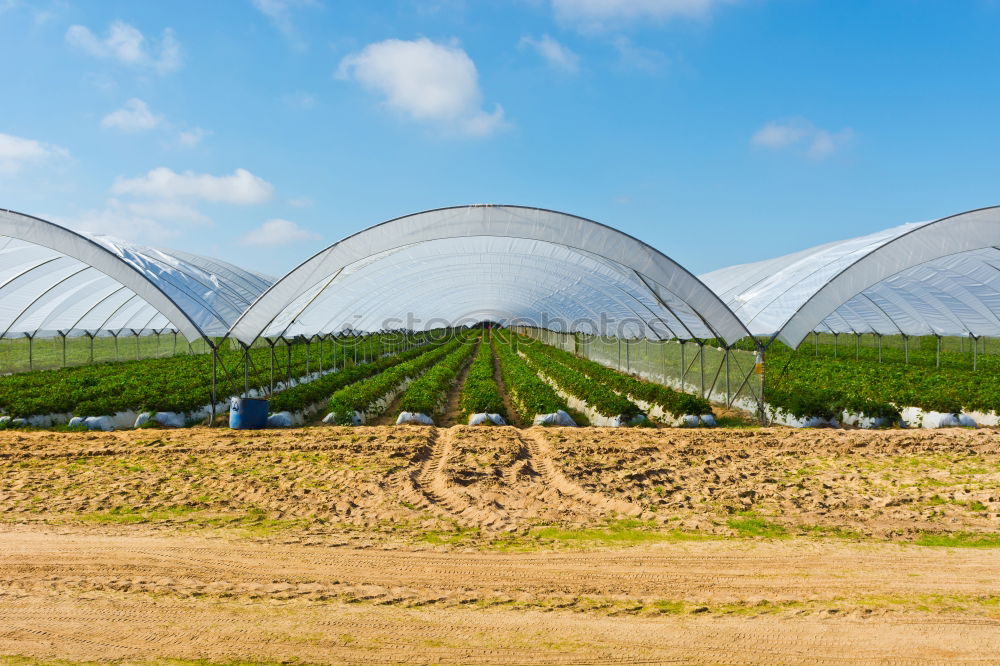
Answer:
(428, 486)
(543, 460)
(169, 628)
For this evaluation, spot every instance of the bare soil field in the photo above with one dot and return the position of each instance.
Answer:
(499, 545)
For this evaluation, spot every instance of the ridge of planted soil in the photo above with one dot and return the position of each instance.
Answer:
(513, 416)
(500, 545)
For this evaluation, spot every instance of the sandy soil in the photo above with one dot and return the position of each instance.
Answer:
(498, 545)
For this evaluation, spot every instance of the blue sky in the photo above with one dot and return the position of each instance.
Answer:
(719, 131)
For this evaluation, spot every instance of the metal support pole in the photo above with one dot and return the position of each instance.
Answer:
(975, 352)
(308, 343)
(816, 342)
(321, 354)
(136, 345)
(115, 336)
(938, 350)
(701, 354)
(906, 349)
(857, 346)
(175, 344)
(879, 347)
(288, 348)
(762, 407)
(836, 337)
(628, 358)
(619, 366)
(271, 344)
(683, 366)
(31, 344)
(729, 397)
(246, 371)
(215, 364)
(91, 347)
(63, 336)
(157, 344)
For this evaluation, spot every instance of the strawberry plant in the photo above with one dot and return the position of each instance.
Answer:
(480, 394)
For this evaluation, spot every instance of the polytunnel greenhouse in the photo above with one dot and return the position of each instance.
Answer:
(576, 284)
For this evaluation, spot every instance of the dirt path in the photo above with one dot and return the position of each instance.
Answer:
(453, 411)
(80, 594)
(513, 416)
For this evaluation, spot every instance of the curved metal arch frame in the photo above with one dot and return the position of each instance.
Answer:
(896, 255)
(41, 232)
(561, 268)
(576, 233)
(181, 301)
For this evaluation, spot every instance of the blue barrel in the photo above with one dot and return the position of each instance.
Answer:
(248, 413)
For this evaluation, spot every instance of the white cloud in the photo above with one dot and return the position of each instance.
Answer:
(118, 221)
(279, 13)
(166, 209)
(797, 132)
(190, 138)
(301, 202)
(240, 187)
(126, 44)
(278, 232)
(555, 54)
(134, 116)
(641, 58)
(429, 82)
(16, 152)
(598, 15)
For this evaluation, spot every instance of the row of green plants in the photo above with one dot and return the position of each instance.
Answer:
(599, 397)
(803, 385)
(425, 394)
(921, 350)
(530, 395)
(177, 383)
(301, 396)
(480, 394)
(363, 396)
(675, 403)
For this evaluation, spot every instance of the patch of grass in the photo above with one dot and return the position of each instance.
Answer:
(619, 532)
(751, 526)
(457, 536)
(959, 540)
(832, 531)
(668, 607)
(253, 522)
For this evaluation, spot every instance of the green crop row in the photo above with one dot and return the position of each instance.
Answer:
(804, 385)
(176, 383)
(481, 393)
(303, 395)
(672, 402)
(362, 396)
(601, 398)
(425, 394)
(530, 395)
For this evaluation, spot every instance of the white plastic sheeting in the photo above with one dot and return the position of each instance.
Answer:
(940, 277)
(54, 280)
(506, 263)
